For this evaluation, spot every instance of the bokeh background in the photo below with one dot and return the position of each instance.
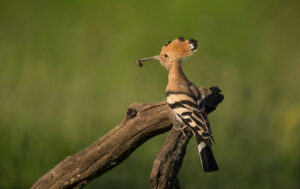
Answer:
(68, 74)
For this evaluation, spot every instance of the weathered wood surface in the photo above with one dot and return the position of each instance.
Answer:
(142, 122)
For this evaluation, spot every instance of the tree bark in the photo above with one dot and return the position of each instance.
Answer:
(169, 160)
(142, 122)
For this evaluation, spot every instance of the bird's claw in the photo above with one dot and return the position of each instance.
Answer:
(181, 128)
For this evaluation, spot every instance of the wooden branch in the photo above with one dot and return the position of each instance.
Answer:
(142, 122)
(169, 160)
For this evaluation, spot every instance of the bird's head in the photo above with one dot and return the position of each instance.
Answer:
(173, 52)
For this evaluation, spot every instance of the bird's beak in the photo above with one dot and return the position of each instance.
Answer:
(139, 61)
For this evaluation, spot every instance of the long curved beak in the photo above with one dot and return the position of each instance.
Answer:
(139, 61)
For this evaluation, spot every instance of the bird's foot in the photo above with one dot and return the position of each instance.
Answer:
(181, 128)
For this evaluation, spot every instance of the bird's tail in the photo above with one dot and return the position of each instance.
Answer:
(209, 163)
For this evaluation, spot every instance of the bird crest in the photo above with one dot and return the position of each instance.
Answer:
(173, 52)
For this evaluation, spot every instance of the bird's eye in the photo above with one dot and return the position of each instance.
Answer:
(166, 56)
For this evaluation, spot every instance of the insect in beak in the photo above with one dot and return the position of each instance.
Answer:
(139, 61)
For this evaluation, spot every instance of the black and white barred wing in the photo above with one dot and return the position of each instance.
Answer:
(187, 112)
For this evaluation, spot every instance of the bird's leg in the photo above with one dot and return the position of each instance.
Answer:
(180, 127)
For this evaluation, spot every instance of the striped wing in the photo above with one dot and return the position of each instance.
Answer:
(187, 111)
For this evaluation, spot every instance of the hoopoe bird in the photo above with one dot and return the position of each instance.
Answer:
(184, 97)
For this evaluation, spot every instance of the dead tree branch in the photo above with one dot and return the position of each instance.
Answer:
(142, 122)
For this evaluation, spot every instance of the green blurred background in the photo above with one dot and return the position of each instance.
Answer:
(68, 73)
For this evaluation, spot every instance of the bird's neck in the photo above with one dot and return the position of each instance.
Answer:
(176, 75)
